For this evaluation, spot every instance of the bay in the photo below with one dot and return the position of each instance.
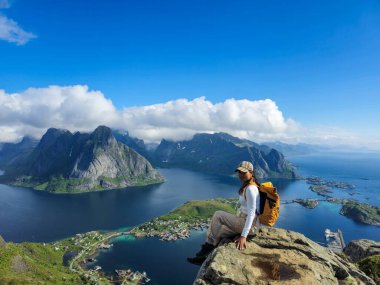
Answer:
(30, 215)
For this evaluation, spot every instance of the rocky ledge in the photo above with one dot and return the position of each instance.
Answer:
(277, 256)
(362, 248)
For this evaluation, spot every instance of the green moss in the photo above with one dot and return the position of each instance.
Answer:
(349, 281)
(371, 267)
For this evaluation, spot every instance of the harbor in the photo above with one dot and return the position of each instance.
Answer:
(334, 240)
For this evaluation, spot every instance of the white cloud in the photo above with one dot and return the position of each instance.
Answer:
(77, 108)
(33, 111)
(11, 32)
(181, 118)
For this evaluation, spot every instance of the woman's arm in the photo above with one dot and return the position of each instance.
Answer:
(251, 194)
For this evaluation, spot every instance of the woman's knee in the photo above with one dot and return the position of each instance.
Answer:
(218, 214)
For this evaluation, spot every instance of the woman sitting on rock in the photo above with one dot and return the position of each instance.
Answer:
(226, 225)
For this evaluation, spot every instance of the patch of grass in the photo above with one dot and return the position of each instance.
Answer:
(371, 267)
(201, 209)
(34, 263)
(41, 186)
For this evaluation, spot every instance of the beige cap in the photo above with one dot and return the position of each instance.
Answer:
(244, 166)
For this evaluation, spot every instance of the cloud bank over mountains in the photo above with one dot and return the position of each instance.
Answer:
(77, 108)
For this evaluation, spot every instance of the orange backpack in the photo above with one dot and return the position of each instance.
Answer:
(269, 203)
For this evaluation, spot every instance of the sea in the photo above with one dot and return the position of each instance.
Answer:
(31, 215)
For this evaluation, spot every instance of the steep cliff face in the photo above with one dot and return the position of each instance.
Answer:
(220, 153)
(67, 162)
(134, 143)
(277, 256)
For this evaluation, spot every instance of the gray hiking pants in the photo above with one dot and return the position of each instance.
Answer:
(226, 225)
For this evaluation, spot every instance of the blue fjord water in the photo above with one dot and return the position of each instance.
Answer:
(29, 215)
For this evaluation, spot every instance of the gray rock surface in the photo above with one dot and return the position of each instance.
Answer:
(362, 248)
(82, 162)
(277, 256)
(18, 264)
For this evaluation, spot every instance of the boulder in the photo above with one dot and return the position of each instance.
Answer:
(277, 256)
(362, 248)
(18, 264)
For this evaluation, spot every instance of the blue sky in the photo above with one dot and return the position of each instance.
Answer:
(317, 60)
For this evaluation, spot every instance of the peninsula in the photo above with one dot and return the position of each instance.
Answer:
(193, 215)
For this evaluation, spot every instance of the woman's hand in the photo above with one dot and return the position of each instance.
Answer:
(241, 243)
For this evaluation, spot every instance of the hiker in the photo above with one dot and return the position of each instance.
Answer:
(226, 225)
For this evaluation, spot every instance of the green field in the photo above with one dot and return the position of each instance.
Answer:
(34, 263)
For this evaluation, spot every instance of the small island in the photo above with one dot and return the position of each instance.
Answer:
(307, 203)
(321, 190)
(314, 180)
(361, 212)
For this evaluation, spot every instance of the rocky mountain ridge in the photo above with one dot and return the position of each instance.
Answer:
(219, 153)
(66, 162)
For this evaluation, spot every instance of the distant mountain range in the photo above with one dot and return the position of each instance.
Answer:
(220, 153)
(66, 162)
(104, 159)
(12, 151)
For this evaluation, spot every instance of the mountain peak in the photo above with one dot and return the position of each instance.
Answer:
(51, 135)
(102, 135)
(219, 153)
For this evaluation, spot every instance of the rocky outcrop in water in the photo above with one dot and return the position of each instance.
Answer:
(277, 256)
(66, 162)
(362, 248)
(220, 153)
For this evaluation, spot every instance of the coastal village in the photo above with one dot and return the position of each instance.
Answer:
(177, 226)
(169, 230)
(80, 250)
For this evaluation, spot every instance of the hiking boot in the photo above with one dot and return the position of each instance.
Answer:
(198, 260)
(205, 250)
(201, 255)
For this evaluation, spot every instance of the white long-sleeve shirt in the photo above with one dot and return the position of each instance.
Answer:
(248, 206)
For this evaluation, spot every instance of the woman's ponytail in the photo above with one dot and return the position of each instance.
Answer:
(251, 181)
